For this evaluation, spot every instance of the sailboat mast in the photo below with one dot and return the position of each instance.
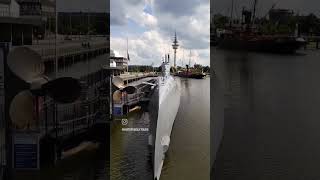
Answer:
(182, 57)
(190, 59)
(254, 10)
(231, 15)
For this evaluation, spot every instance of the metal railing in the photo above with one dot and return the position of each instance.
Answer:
(69, 119)
(71, 50)
(72, 127)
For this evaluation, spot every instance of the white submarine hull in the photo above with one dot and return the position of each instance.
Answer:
(164, 107)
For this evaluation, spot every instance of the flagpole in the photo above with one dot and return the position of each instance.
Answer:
(128, 58)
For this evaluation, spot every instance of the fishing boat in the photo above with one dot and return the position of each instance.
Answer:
(163, 108)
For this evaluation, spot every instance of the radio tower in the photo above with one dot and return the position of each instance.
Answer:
(175, 46)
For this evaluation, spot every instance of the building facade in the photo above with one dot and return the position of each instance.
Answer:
(9, 8)
(76, 23)
(41, 10)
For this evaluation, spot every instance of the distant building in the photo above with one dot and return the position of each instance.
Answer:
(15, 28)
(76, 23)
(9, 8)
(42, 10)
(37, 8)
(121, 62)
(280, 15)
(112, 54)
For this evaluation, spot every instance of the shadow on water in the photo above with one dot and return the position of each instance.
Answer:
(271, 117)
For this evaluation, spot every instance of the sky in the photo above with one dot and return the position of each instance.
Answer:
(150, 25)
(299, 6)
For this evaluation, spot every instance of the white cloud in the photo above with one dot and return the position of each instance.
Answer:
(192, 27)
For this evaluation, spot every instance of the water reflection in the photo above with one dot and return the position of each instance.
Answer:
(271, 117)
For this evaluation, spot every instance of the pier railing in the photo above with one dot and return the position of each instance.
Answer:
(74, 126)
(70, 119)
(68, 49)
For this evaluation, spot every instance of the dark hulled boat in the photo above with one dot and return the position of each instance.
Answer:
(249, 38)
(190, 74)
(261, 43)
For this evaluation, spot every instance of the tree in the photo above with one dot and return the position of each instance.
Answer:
(220, 21)
(206, 69)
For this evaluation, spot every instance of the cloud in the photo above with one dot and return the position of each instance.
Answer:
(122, 11)
(177, 7)
(190, 19)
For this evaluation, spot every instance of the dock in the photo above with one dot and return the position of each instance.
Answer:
(124, 102)
(132, 77)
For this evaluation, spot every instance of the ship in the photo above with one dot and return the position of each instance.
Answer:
(190, 74)
(249, 38)
(195, 73)
(261, 43)
(163, 108)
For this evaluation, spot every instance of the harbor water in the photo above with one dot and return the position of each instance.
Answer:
(271, 116)
(188, 157)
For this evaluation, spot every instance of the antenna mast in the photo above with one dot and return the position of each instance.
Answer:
(175, 46)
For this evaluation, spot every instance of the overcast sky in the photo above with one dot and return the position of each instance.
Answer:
(150, 26)
(301, 6)
(83, 5)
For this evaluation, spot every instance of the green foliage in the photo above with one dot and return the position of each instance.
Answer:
(220, 21)
(137, 68)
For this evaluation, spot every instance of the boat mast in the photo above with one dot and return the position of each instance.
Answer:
(254, 11)
(231, 15)
(190, 59)
(182, 57)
